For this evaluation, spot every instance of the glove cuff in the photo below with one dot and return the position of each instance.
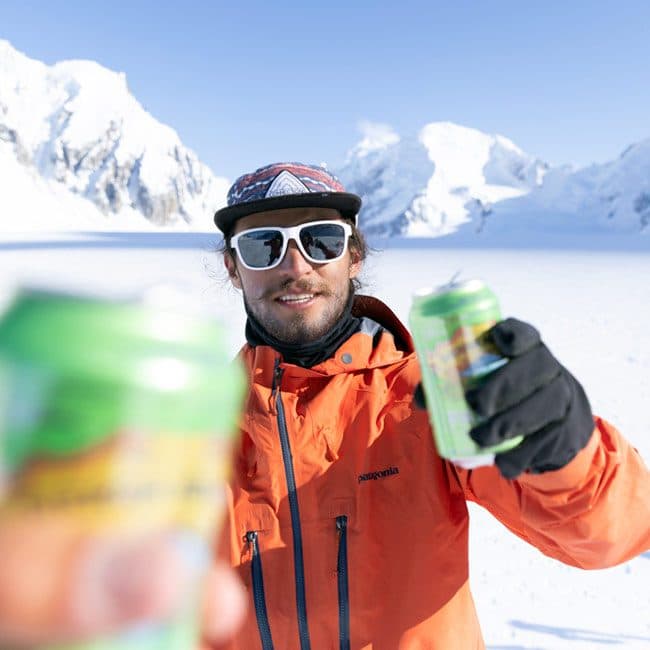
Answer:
(571, 475)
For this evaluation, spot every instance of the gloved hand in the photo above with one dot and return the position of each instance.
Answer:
(532, 395)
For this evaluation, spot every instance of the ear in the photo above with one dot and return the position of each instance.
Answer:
(231, 267)
(355, 264)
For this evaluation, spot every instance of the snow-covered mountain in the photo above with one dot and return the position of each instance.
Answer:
(431, 184)
(452, 179)
(614, 195)
(74, 128)
(77, 150)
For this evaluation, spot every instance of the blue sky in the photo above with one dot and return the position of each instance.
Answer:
(246, 83)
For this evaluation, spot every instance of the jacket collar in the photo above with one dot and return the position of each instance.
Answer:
(381, 340)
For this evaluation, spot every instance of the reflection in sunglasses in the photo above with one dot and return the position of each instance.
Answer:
(318, 241)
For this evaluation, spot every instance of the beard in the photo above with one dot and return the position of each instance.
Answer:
(299, 327)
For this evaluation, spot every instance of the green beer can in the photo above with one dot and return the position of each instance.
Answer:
(448, 324)
(116, 420)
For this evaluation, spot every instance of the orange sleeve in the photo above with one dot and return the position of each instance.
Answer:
(593, 513)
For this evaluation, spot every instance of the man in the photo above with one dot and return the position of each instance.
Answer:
(330, 559)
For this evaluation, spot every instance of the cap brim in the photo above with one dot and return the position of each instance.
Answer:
(347, 204)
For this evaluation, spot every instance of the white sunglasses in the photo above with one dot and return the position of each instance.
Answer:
(318, 241)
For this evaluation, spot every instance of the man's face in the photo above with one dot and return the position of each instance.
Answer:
(297, 301)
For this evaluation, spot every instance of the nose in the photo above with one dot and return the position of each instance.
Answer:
(294, 262)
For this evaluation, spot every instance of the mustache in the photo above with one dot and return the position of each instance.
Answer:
(298, 286)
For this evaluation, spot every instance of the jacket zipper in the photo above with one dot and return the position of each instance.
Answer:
(258, 592)
(342, 574)
(301, 600)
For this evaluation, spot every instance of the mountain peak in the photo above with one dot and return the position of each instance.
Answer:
(455, 178)
(376, 136)
(75, 135)
(90, 75)
(75, 123)
(431, 184)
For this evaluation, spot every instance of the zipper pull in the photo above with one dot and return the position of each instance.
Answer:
(275, 386)
(251, 538)
(277, 375)
(341, 523)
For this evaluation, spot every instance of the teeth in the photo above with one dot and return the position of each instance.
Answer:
(296, 298)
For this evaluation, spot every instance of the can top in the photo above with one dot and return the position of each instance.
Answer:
(124, 342)
(453, 285)
(454, 296)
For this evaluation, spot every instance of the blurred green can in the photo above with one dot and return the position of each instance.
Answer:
(448, 324)
(117, 418)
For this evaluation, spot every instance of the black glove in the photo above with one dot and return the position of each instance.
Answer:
(532, 395)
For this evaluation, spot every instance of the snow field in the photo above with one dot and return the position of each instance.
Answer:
(593, 310)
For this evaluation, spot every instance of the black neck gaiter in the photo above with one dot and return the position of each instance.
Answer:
(306, 354)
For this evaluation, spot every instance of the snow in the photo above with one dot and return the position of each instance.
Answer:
(36, 204)
(480, 173)
(591, 305)
(451, 178)
(562, 248)
(376, 137)
(429, 184)
(77, 125)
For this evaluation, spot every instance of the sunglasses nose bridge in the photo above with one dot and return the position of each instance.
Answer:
(294, 257)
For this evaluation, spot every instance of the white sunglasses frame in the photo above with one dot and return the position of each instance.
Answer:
(292, 233)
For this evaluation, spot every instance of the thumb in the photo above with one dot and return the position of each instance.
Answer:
(119, 582)
(224, 605)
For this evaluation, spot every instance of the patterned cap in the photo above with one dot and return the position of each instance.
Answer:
(286, 185)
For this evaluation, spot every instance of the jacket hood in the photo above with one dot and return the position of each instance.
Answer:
(381, 340)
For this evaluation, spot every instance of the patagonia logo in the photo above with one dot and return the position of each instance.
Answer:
(373, 476)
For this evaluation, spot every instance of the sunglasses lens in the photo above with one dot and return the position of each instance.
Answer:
(261, 248)
(323, 242)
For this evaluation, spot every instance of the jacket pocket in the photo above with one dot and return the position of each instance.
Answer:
(342, 576)
(258, 591)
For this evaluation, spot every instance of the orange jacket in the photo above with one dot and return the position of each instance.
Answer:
(345, 523)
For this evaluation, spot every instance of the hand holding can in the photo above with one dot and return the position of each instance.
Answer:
(448, 326)
(115, 425)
